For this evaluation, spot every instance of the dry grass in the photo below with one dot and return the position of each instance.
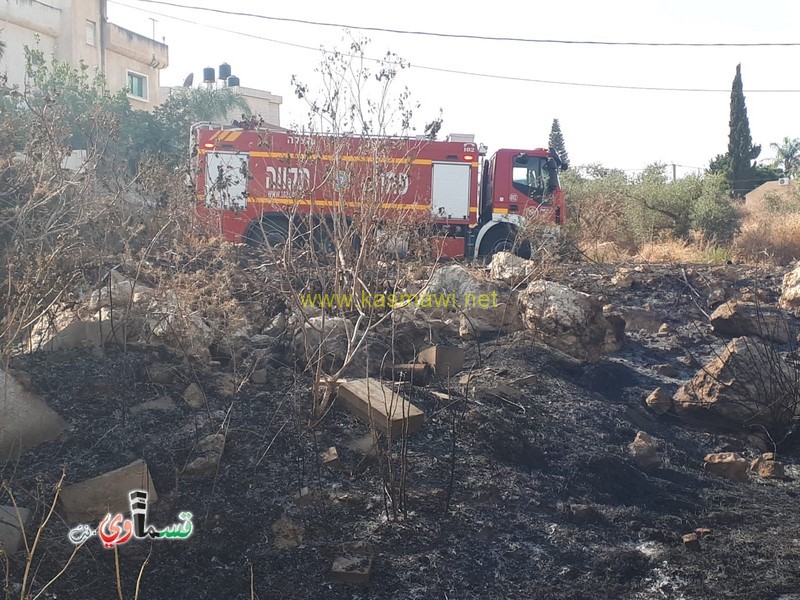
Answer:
(769, 237)
(696, 251)
(671, 251)
(604, 252)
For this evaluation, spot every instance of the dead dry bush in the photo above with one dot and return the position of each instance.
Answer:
(342, 267)
(769, 238)
(63, 229)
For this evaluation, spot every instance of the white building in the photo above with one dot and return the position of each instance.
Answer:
(78, 30)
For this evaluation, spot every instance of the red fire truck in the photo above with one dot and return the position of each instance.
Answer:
(252, 184)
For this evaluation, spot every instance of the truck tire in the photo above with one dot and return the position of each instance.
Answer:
(503, 239)
(272, 232)
(323, 244)
(497, 240)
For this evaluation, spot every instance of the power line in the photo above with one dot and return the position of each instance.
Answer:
(451, 71)
(466, 36)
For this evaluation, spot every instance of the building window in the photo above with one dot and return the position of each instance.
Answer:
(90, 31)
(137, 85)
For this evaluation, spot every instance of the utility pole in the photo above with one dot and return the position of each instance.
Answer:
(154, 27)
(674, 173)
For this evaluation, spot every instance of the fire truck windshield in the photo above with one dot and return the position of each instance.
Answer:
(534, 177)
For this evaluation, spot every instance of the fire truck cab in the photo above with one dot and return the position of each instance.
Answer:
(251, 183)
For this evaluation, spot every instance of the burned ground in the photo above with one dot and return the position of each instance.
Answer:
(506, 529)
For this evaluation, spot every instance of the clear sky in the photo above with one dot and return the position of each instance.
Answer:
(619, 128)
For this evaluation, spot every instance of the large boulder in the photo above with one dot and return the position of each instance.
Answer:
(746, 318)
(459, 281)
(570, 321)
(118, 291)
(480, 305)
(503, 317)
(511, 269)
(25, 420)
(728, 465)
(329, 343)
(790, 290)
(748, 384)
(53, 322)
(644, 450)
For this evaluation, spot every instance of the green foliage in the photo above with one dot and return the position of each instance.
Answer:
(718, 255)
(596, 198)
(787, 155)
(741, 150)
(713, 213)
(557, 141)
(765, 173)
(85, 112)
(164, 133)
(608, 206)
(720, 164)
(656, 207)
(82, 113)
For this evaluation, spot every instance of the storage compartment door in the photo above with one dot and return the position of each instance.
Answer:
(226, 180)
(450, 191)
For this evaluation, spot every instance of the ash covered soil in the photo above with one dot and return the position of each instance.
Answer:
(499, 517)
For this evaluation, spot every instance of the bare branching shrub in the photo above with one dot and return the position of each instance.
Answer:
(340, 238)
(351, 218)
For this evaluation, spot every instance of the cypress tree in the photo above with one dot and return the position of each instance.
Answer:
(741, 150)
(557, 141)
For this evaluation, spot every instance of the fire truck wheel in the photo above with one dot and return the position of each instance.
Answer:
(502, 239)
(323, 242)
(497, 240)
(271, 232)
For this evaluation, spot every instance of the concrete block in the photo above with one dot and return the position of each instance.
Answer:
(25, 420)
(497, 390)
(353, 563)
(373, 402)
(330, 458)
(12, 524)
(92, 499)
(365, 444)
(445, 360)
(691, 542)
